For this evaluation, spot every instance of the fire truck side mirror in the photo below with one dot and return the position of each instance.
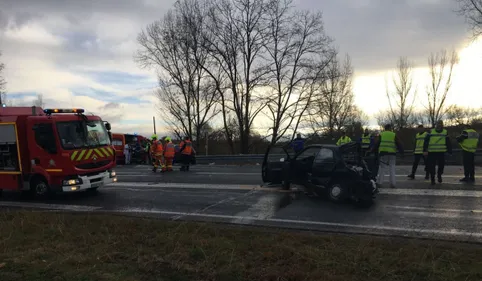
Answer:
(107, 126)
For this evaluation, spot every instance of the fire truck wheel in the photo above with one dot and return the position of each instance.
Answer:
(39, 187)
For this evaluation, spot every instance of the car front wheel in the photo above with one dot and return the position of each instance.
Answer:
(336, 192)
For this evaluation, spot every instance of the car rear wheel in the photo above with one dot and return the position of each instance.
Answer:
(336, 192)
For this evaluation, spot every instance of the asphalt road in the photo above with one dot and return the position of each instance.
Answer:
(234, 194)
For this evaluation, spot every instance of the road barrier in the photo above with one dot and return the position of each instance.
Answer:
(253, 159)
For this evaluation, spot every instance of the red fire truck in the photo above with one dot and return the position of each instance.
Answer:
(54, 150)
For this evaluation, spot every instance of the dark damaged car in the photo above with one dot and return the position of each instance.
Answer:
(338, 172)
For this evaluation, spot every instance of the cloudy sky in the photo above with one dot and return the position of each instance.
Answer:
(79, 53)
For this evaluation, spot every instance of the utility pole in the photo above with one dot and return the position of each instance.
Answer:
(154, 123)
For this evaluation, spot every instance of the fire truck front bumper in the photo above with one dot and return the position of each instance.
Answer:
(89, 182)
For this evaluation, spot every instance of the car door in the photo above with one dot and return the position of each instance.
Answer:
(274, 160)
(323, 166)
(303, 164)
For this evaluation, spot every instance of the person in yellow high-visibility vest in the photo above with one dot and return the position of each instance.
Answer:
(387, 146)
(418, 152)
(436, 144)
(343, 139)
(365, 141)
(468, 140)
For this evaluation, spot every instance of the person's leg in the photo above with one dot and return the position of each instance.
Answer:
(188, 162)
(392, 166)
(465, 162)
(383, 169)
(169, 164)
(416, 160)
(472, 167)
(155, 162)
(431, 161)
(376, 165)
(183, 162)
(425, 160)
(441, 165)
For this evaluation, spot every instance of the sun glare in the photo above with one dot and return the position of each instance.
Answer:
(467, 88)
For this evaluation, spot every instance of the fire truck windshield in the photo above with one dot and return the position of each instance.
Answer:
(82, 134)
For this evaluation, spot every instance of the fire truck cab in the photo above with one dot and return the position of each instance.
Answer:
(54, 150)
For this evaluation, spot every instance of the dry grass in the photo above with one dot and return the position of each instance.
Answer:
(48, 246)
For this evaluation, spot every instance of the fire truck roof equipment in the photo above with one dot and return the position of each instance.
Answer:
(56, 110)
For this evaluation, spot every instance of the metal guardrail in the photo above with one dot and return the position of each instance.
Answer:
(455, 159)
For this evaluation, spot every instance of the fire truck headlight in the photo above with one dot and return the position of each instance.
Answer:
(112, 174)
(71, 182)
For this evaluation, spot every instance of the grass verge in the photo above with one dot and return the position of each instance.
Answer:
(48, 246)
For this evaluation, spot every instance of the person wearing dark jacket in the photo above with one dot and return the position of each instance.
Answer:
(298, 143)
(387, 145)
(436, 144)
(468, 141)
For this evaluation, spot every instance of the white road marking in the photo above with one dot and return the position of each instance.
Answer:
(183, 185)
(264, 208)
(138, 186)
(431, 192)
(207, 173)
(79, 208)
(227, 174)
(250, 220)
(434, 209)
(421, 214)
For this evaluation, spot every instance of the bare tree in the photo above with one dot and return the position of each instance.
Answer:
(3, 83)
(295, 41)
(458, 115)
(384, 117)
(39, 101)
(440, 68)
(472, 11)
(402, 97)
(333, 106)
(235, 40)
(174, 47)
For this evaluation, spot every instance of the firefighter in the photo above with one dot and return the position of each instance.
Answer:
(387, 145)
(186, 153)
(436, 144)
(169, 152)
(343, 139)
(157, 153)
(418, 152)
(468, 140)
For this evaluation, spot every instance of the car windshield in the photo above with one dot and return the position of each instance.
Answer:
(82, 134)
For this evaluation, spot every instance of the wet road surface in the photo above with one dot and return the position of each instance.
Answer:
(234, 194)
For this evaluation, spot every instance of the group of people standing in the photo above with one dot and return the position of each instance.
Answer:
(431, 146)
(162, 153)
